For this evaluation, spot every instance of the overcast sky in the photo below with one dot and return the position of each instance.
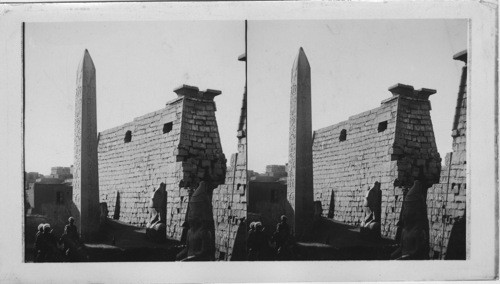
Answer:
(353, 63)
(138, 64)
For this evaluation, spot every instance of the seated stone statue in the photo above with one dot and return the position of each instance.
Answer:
(156, 227)
(414, 244)
(104, 213)
(318, 212)
(200, 243)
(373, 210)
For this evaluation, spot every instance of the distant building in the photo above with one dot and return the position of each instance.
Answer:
(44, 192)
(30, 178)
(273, 173)
(61, 173)
(43, 197)
(267, 199)
(277, 171)
(48, 180)
(267, 202)
(252, 174)
(58, 175)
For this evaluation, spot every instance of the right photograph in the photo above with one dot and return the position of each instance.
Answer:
(357, 140)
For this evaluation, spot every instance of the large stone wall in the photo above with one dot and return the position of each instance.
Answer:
(384, 144)
(446, 201)
(229, 206)
(229, 201)
(346, 169)
(131, 171)
(177, 145)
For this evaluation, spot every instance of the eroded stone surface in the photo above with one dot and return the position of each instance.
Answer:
(446, 200)
(175, 145)
(230, 199)
(300, 162)
(373, 211)
(85, 172)
(392, 142)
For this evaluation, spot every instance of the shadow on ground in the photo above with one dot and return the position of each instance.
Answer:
(331, 240)
(121, 242)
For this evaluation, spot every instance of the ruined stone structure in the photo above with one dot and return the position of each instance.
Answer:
(390, 148)
(446, 200)
(177, 145)
(85, 172)
(230, 199)
(230, 210)
(392, 144)
(300, 162)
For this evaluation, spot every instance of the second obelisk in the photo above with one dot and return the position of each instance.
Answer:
(300, 163)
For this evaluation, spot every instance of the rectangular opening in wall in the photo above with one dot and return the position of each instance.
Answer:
(343, 135)
(382, 126)
(167, 127)
(222, 255)
(128, 137)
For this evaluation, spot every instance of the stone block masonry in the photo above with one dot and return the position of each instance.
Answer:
(392, 142)
(446, 200)
(229, 200)
(177, 145)
(230, 209)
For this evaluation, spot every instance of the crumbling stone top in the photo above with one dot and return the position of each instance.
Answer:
(242, 57)
(425, 93)
(462, 56)
(408, 91)
(194, 92)
(186, 91)
(210, 94)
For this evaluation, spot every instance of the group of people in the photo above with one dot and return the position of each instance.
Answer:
(259, 245)
(48, 247)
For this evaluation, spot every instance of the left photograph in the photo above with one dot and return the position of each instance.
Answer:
(135, 141)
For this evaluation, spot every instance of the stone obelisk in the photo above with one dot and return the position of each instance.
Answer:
(300, 163)
(85, 173)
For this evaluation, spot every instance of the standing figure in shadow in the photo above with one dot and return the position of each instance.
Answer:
(200, 240)
(50, 250)
(414, 244)
(257, 242)
(156, 228)
(38, 243)
(251, 240)
(457, 243)
(282, 239)
(373, 201)
(73, 247)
